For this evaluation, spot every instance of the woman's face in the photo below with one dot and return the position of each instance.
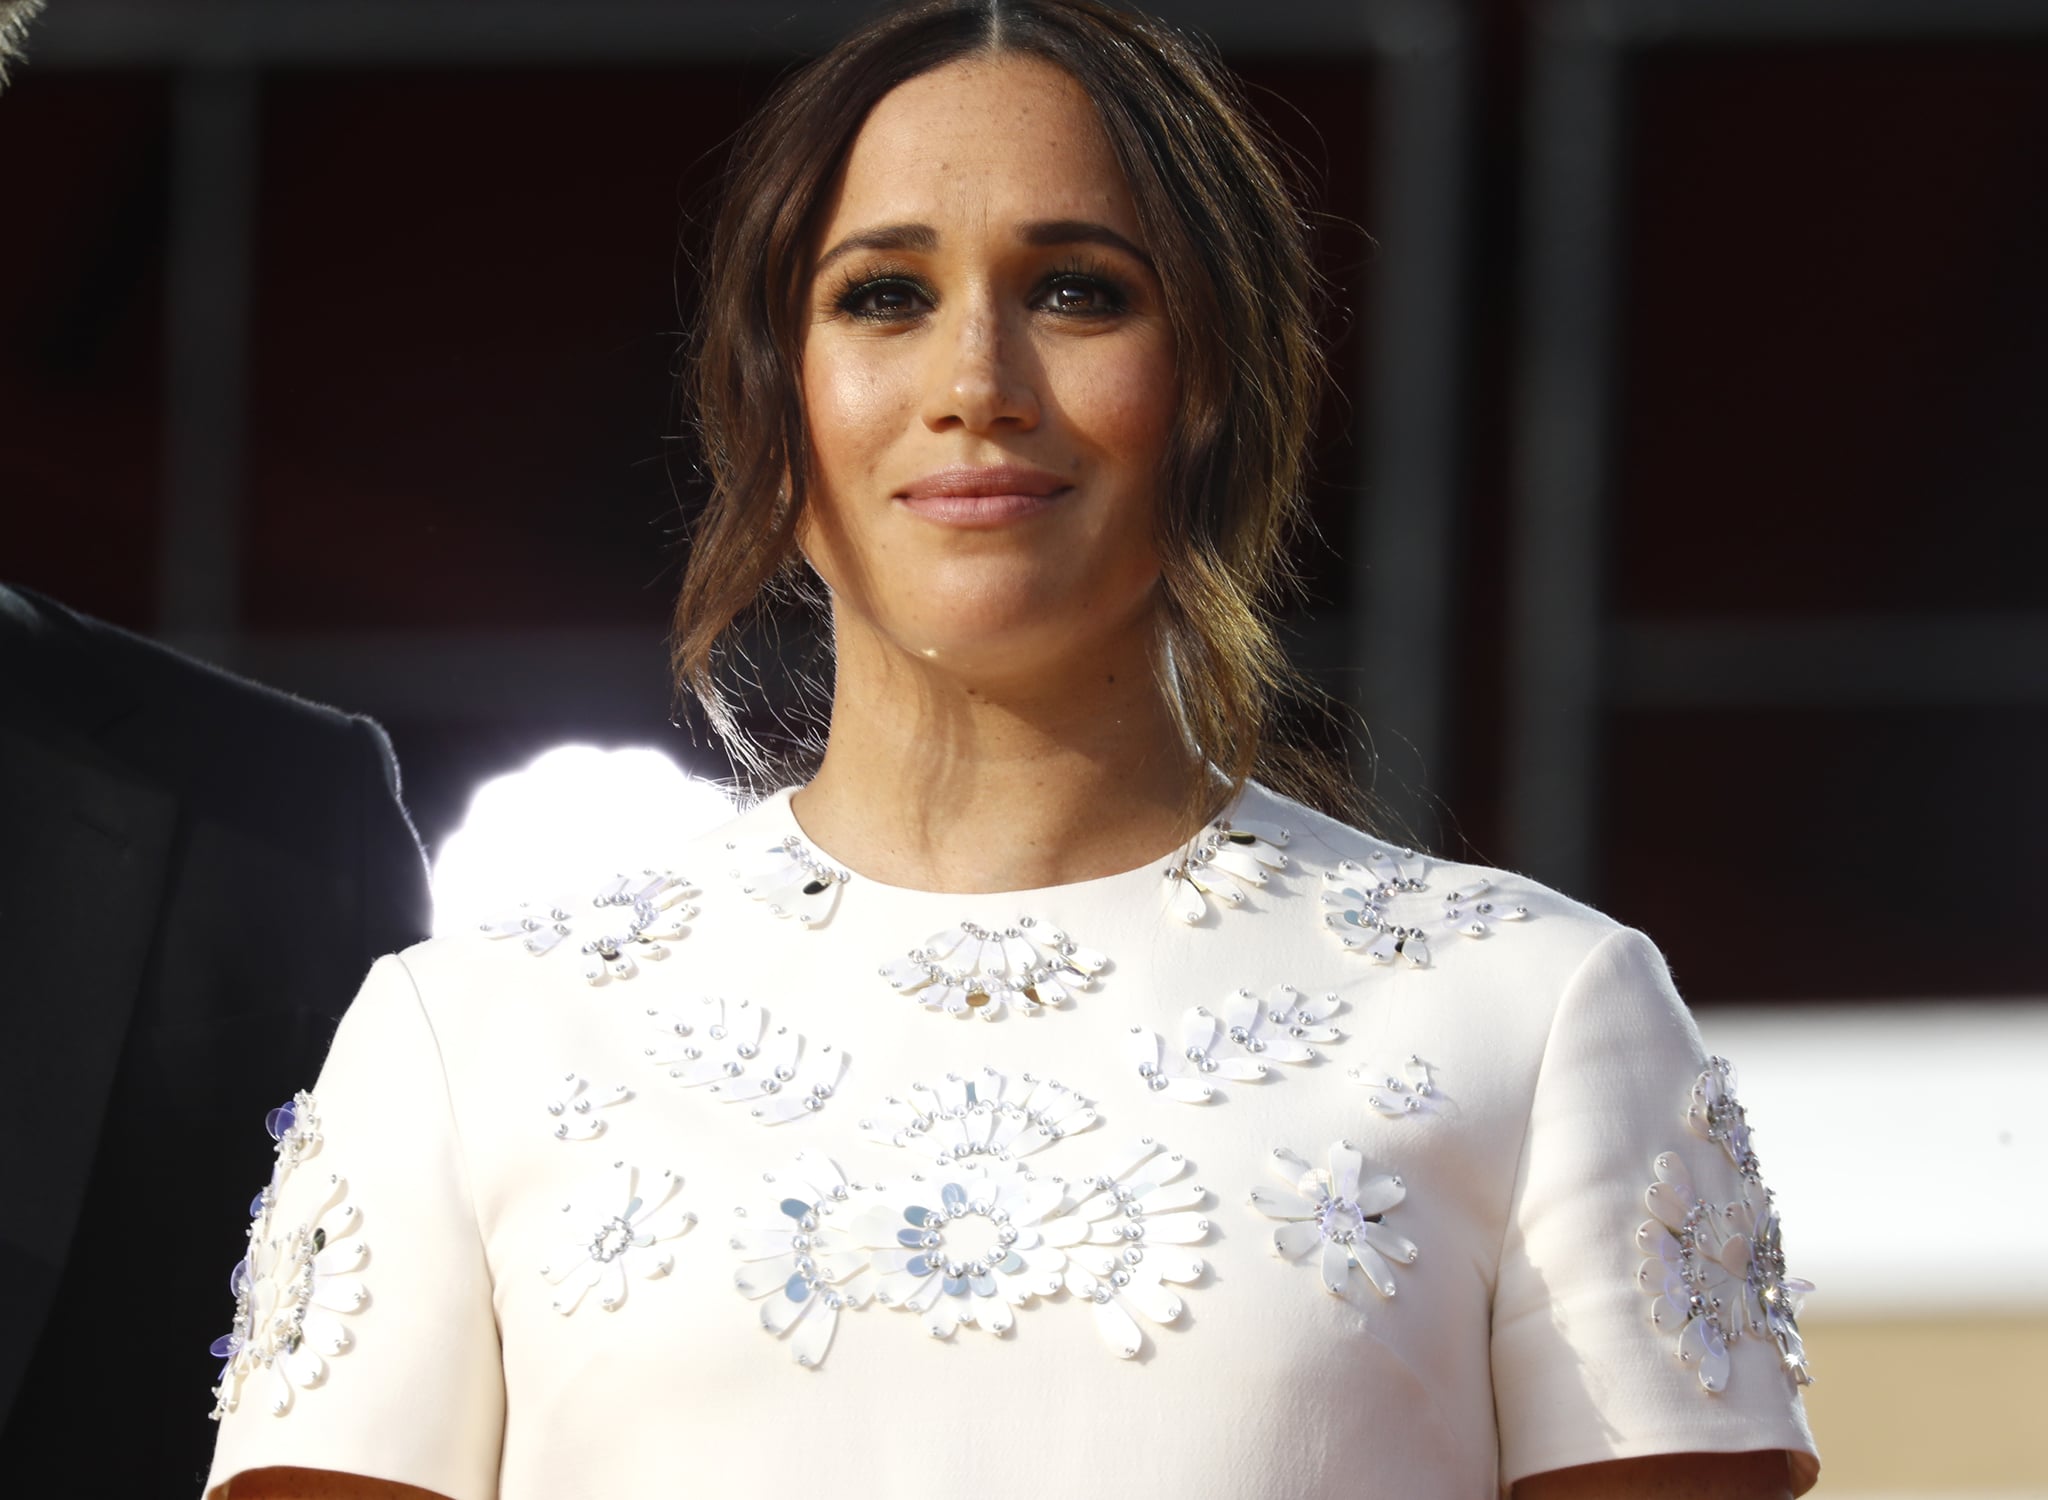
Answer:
(988, 379)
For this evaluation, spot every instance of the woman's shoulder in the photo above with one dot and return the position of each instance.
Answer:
(583, 929)
(1402, 907)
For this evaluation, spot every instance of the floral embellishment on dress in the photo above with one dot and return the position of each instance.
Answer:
(1716, 1115)
(294, 1128)
(969, 970)
(1286, 1026)
(618, 1228)
(1683, 1271)
(1409, 1092)
(800, 1262)
(1771, 1305)
(1772, 1297)
(971, 1245)
(1715, 1272)
(1221, 863)
(1141, 1217)
(1234, 1042)
(792, 880)
(720, 1046)
(980, 1236)
(1184, 1076)
(1378, 908)
(1341, 1212)
(985, 1115)
(229, 1346)
(645, 913)
(290, 1292)
(575, 1107)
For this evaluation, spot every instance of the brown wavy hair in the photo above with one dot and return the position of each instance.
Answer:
(1231, 246)
(14, 18)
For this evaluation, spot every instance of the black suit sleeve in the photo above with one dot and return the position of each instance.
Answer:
(397, 904)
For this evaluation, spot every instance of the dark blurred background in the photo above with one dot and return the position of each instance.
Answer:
(1681, 513)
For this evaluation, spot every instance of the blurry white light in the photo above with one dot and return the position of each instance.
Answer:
(1906, 1147)
(555, 831)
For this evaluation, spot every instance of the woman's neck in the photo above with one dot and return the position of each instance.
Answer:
(940, 783)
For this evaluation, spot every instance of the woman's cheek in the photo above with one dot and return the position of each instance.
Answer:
(853, 403)
(1124, 399)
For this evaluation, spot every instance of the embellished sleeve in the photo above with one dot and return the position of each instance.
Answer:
(363, 1339)
(1642, 1305)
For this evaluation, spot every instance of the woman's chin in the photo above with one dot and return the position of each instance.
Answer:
(1030, 644)
(1022, 648)
(996, 624)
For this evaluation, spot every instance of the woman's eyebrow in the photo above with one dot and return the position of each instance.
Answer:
(920, 237)
(1043, 233)
(1049, 232)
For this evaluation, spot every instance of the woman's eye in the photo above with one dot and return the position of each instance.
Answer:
(884, 301)
(1082, 296)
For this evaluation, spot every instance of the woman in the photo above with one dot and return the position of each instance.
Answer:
(1290, 1164)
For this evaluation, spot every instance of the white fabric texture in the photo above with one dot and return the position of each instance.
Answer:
(1554, 1060)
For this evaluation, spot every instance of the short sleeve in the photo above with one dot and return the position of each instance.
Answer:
(364, 1340)
(1586, 1364)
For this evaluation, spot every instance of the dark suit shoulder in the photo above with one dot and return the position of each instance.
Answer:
(187, 725)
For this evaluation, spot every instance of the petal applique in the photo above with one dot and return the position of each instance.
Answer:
(1395, 1246)
(1297, 1239)
(1118, 1330)
(1282, 1203)
(1373, 1266)
(1336, 1266)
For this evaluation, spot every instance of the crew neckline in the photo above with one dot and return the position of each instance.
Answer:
(775, 809)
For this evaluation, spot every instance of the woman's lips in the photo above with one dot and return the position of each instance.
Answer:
(980, 497)
(979, 510)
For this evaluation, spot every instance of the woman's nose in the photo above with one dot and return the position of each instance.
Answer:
(982, 376)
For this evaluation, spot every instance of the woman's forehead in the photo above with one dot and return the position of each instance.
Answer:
(982, 146)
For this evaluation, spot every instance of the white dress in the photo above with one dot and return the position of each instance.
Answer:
(1290, 1166)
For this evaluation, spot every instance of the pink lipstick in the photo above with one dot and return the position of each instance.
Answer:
(981, 496)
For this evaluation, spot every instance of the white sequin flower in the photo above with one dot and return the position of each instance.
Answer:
(791, 879)
(798, 1258)
(728, 1049)
(1380, 907)
(575, 1104)
(618, 1228)
(294, 1127)
(974, 970)
(982, 1235)
(1224, 861)
(1340, 1212)
(291, 1292)
(644, 913)
(1684, 1271)
(985, 1114)
(1716, 1272)
(1409, 1092)
(1286, 1026)
(1716, 1115)
(1141, 1216)
(1188, 1074)
(1232, 1043)
(970, 1243)
(1770, 1297)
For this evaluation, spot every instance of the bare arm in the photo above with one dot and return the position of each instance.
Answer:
(316, 1484)
(1667, 1476)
